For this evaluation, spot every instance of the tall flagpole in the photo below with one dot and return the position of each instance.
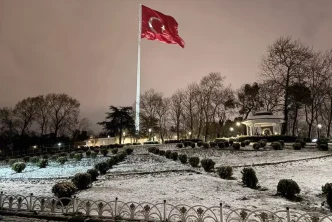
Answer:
(138, 86)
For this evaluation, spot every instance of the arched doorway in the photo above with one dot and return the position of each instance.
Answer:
(267, 132)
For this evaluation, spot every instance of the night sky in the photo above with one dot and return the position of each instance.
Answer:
(88, 48)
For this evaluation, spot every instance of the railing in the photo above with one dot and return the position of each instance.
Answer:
(152, 212)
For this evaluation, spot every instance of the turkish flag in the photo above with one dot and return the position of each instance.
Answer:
(157, 26)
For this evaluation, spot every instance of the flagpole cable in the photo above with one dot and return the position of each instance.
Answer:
(138, 86)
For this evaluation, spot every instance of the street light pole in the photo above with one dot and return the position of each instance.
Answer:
(231, 129)
(150, 134)
(319, 126)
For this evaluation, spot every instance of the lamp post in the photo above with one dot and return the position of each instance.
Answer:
(231, 129)
(319, 126)
(108, 140)
(189, 133)
(238, 124)
(150, 134)
(124, 136)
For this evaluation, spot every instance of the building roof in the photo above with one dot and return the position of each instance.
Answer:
(263, 116)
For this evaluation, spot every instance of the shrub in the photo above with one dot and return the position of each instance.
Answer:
(111, 162)
(26, 159)
(179, 145)
(256, 146)
(326, 188)
(276, 146)
(282, 142)
(243, 144)
(116, 159)
(297, 146)
(129, 151)
(53, 157)
(152, 149)
(96, 151)
(34, 159)
(205, 145)
(60, 154)
(225, 172)
(221, 145)
(226, 144)
(249, 177)
(302, 142)
(322, 141)
(208, 164)
(194, 161)
(329, 199)
(288, 188)
(231, 141)
(247, 142)
(213, 144)
(200, 143)
(186, 144)
(121, 156)
(94, 154)
(156, 151)
(88, 153)
(78, 156)
(64, 189)
(162, 152)
(262, 143)
(183, 158)
(174, 156)
(12, 161)
(115, 150)
(18, 167)
(46, 157)
(62, 160)
(72, 154)
(236, 146)
(192, 144)
(43, 163)
(82, 180)
(102, 167)
(168, 154)
(323, 147)
(104, 151)
(93, 173)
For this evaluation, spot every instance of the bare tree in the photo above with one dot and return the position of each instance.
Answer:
(25, 112)
(162, 114)
(42, 116)
(285, 63)
(210, 87)
(247, 99)
(319, 73)
(63, 111)
(191, 108)
(176, 110)
(270, 95)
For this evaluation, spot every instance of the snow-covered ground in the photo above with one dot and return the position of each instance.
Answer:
(152, 178)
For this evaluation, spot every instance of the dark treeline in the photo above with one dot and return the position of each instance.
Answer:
(41, 120)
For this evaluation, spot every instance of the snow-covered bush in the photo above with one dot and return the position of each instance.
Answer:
(78, 156)
(179, 145)
(213, 144)
(82, 180)
(297, 146)
(174, 156)
(288, 188)
(206, 145)
(208, 164)
(162, 152)
(42, 163)
(88, 153)
(194, 161)
(282, 142)
(192, 144)
(104, 151)
(102, 167)
(249, 178)
(26, 159)
(168, 154)
(64, 189)
(12, 161)
(130, 151)
(323, 147)
(221, 145)
(115, 150)
(262, 143)
(326, 188)
(256, 146)
(183, 158)
(62, 160)
(94, 154)
(122, 155)
(247, 142)
(276, 146)
(226, 144)
(225, 172)
(236, 146)
(93, 173)
(34, 159)
(243, 144)
(231, 141)
(200, 143)
(329, 199)
(18, 167)
(302, 142)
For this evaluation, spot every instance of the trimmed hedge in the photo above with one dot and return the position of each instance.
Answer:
(273, 138)
(249, 178)
(208, 164)
(18, 167)
(64, 189)
(225, 172)
(194, 161)
(82, 180)
(288, 188)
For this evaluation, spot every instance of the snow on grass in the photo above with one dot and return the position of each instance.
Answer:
(53, 170)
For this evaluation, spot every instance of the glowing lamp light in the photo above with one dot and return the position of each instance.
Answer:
(275, 133)
(231, 129)
(319, 126)
(189, 133)
(238, 123)
(150, 130)
(59, 144)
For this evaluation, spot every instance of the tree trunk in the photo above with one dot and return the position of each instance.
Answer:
(329, 120)
(295, 120)
(285, 125)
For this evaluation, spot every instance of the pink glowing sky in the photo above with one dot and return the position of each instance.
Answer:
(88, 48)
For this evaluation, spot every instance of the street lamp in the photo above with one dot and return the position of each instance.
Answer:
(108, 140)
(231, 129)
(150, 134)
(189, 133)
(319, 126)
(238, 123)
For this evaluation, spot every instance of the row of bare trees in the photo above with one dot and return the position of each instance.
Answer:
(55, 114)
(295, 82)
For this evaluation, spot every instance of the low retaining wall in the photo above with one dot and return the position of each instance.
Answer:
(118, 210)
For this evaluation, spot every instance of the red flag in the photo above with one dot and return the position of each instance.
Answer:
(157, 26)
